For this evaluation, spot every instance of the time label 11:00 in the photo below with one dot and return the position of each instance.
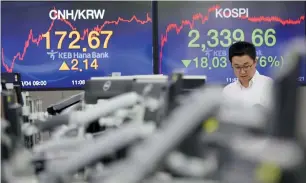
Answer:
(93, 39)
(226, 38)
(78, 82)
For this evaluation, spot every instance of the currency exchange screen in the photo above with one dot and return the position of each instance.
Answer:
(196, 36)
(62, 44)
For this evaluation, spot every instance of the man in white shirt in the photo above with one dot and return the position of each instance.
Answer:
(251, 88)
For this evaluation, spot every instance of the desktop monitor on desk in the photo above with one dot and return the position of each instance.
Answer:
(106, 88)
(193, 82)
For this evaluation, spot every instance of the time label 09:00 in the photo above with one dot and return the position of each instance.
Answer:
(34, 83)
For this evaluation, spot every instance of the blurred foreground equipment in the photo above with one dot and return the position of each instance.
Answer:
(147, 129)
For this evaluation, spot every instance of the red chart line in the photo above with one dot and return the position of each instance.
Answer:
(203, 18)
(32, 40)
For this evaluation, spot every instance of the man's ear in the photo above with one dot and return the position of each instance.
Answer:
(255, 61)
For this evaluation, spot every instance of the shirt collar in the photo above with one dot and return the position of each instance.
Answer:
(251, 82)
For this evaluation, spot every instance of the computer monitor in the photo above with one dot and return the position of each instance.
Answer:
(149, 76)
(106, 87)
(193, 82)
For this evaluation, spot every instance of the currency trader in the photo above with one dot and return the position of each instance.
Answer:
(251, 88)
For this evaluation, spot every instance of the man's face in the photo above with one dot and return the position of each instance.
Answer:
(244, 67)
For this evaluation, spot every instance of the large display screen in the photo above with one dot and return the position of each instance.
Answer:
(62, 44)
(195, 36)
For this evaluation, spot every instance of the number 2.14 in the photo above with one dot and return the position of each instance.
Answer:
(75, 64)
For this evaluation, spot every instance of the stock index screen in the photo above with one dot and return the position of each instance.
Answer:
(195, 36)
(62, 44)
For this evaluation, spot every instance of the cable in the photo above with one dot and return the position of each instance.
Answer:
(90, 115)
(182, 180)
(93, 114)
(285, 154)
(70, 131)
(60, 144)
(106, 144)
(184, 119)
(188, 166)
(72, 108)
(247, 117)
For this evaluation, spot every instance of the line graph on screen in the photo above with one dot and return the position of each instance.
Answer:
(36, 40)
(203, 18)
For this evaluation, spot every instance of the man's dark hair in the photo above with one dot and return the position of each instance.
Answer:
(242, 48)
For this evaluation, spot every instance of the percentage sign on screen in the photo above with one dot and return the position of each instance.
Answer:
(273, 61)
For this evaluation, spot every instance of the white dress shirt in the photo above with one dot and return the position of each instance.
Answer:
(258, 92)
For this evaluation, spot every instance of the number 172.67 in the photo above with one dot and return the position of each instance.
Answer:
(92, 39)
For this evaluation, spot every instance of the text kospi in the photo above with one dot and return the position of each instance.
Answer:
(232, 12)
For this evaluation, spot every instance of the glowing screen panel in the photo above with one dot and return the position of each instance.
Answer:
(196, 36)
(62, 44)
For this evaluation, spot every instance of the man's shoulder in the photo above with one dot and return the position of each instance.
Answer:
(266, 79)
(229, 87)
